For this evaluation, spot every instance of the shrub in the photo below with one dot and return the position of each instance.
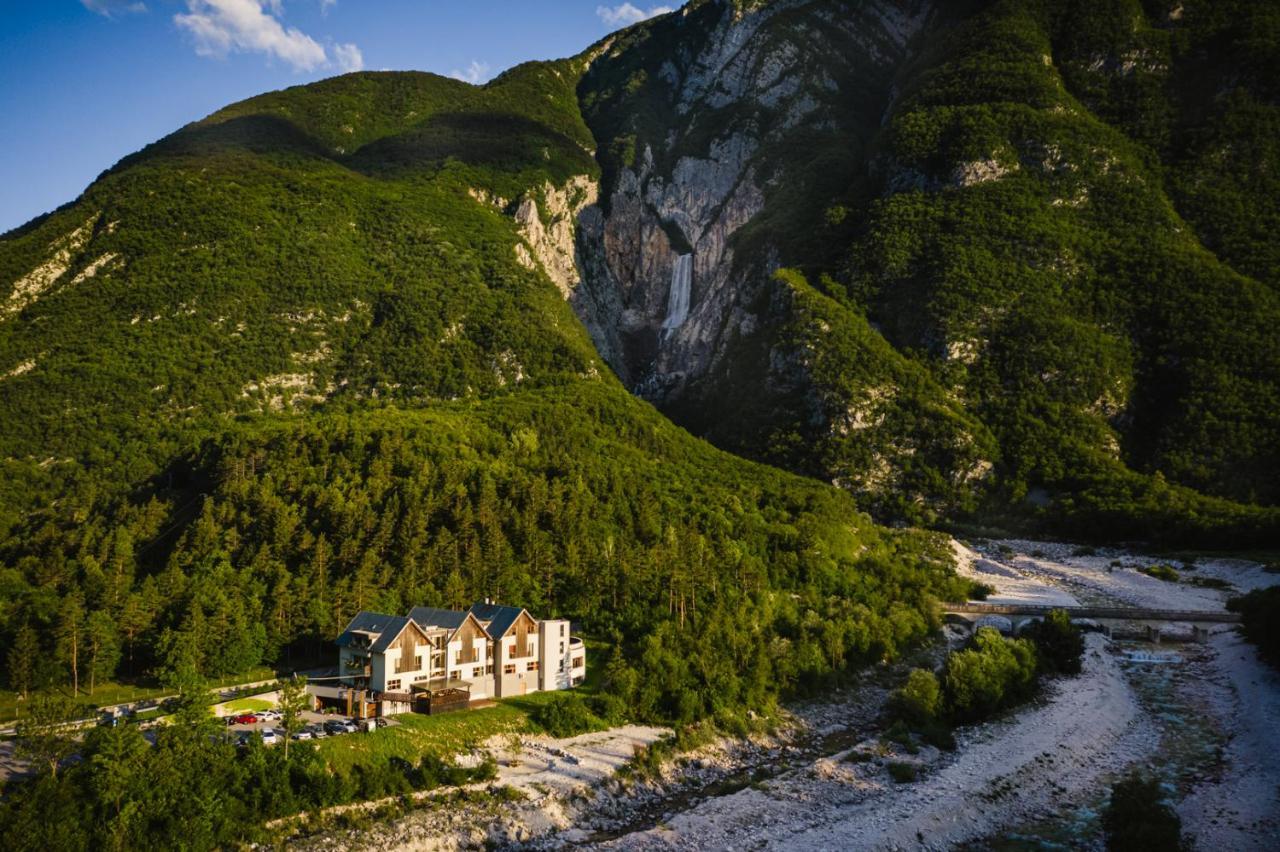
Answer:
(1137, 819)
(918, 701)
(1260, 613)
(903, 773)
(1059, 643)
(610, 708)
(992, 674)
(980, 591)
(1161, 572)
(939, 735)
(565, 716)
(1209, 583)
(1085, 551)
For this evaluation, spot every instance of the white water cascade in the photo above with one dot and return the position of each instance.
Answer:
(678, 297)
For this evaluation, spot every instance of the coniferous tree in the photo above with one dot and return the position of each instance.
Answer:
(292, 703)
(102, 642)
(22, 660)
(70, 633)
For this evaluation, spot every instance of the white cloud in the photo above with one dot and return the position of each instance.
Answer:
(111, 8)
(626, 14)
(220, 27)
(347, 57)
(477, 72)
(326, 5)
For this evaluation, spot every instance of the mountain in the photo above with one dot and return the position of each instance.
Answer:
(313, 355)
(1058, 215)
(392, 339)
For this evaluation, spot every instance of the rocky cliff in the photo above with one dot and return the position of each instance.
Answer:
(729, 135)
(975, 199)
(750, 98)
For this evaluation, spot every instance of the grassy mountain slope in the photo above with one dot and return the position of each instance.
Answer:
(309, 374)
(1058, 213)
(247, 263)
(1063, 294)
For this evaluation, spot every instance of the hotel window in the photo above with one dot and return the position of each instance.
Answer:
(417, 664)
(420, 678)
(455, 675)
(561, 647)
(488, 669)
(532, 667)
(393, 685)
(509, 668)
(561, 631)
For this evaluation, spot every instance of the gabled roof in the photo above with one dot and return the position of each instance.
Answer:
(499, 617)
(378, 629)
(430, 616)
(450, 619)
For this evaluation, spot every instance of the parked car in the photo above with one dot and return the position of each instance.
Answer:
(304, 734)
(269, 716)
(333, 727)
(269, 736)
(244, 719)
(317, 731)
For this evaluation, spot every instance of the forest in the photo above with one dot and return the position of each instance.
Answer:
(288, 363)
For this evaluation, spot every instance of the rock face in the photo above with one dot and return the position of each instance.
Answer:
(550, 232)
(729, 134)
(742, 92)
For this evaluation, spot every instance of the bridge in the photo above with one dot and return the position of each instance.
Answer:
(1020, 614)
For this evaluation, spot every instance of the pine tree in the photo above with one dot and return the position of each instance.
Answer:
(22, 660)
(116, 765)
(102, 640)
(292, 703)
(70, 633)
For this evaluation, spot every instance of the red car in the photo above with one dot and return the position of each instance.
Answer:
(244, 719)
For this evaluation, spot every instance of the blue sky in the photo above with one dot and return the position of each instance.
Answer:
(85, 82)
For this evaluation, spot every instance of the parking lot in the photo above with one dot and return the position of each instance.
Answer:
(315, 725)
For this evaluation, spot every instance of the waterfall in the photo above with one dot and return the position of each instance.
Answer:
(678, 297)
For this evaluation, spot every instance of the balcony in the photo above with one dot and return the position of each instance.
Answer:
(357, 667)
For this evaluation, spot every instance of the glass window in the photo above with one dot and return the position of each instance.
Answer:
(533, 666)
(509, 668)
(393, 685)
